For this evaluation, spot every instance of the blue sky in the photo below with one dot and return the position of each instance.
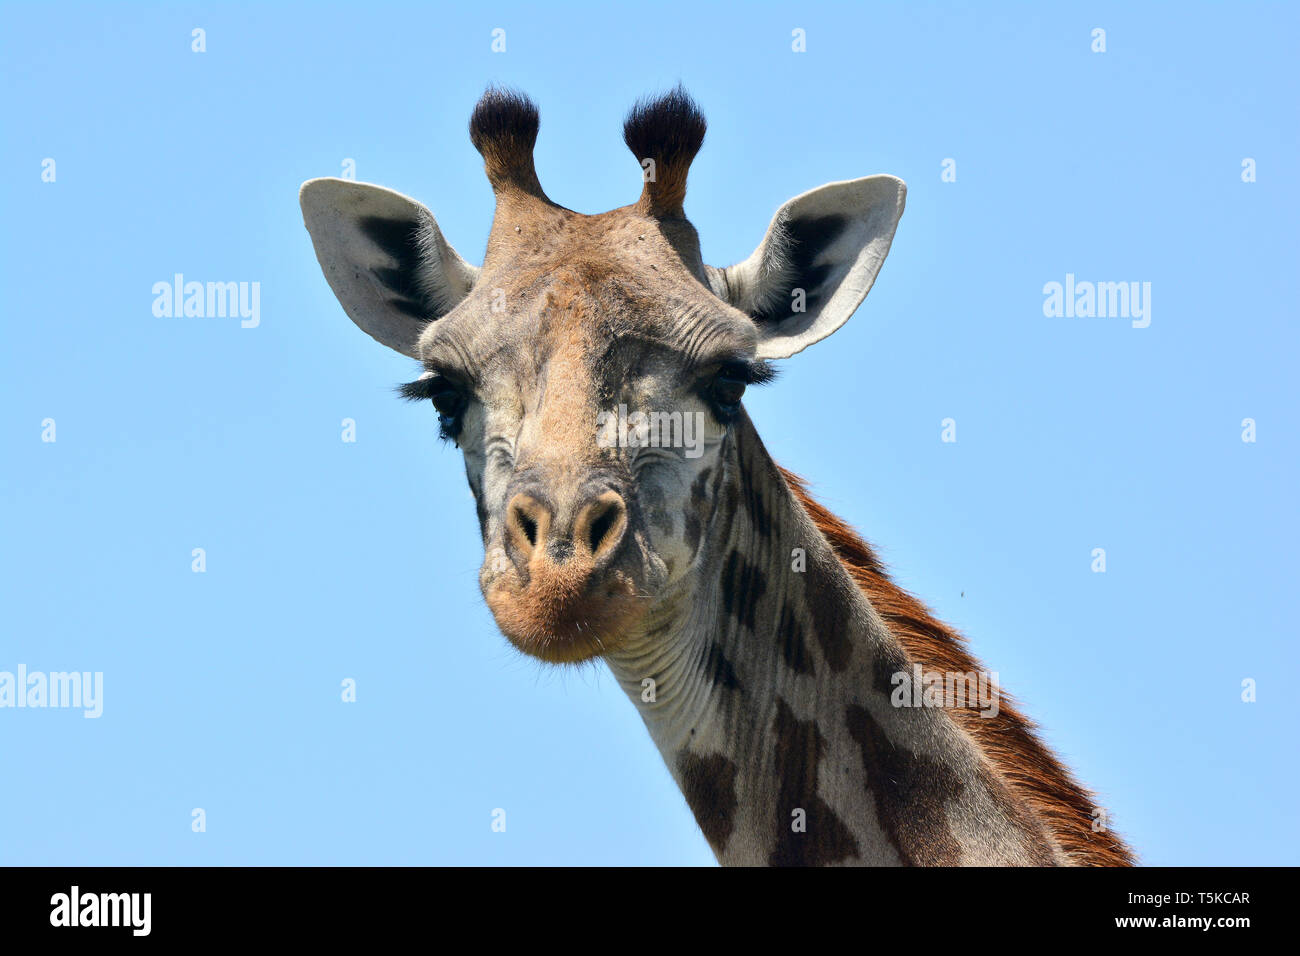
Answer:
(329, 560)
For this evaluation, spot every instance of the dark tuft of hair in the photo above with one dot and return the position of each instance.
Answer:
(761, 372)
(504, 129)
(670, 126)
(668, 129)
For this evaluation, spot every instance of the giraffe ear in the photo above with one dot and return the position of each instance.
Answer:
(385, 258)
(816, 263)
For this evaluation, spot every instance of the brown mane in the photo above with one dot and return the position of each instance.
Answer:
(1008, 741)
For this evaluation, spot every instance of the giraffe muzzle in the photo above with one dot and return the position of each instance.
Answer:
(573, 579)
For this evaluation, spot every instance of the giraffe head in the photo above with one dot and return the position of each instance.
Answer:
(592, 368)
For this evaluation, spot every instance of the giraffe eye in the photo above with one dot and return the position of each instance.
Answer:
(727, 389)
(448, 401)
(450, 409)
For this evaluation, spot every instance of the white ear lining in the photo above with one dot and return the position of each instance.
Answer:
(827, 245)
(385, 258)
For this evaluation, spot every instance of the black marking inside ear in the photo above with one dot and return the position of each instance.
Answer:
(401, 239)
(802, 241)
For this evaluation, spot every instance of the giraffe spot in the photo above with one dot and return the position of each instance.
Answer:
(829, 605)
(789, 632)
(743, 584)
(717, 483)
(887, 661)
(700, 499)
(709, 785)
(694, 528)
(910, 793)
(727, 503)
(698, 494)
(752, 498)
(755, 507)
(720, 670)
(826, 839)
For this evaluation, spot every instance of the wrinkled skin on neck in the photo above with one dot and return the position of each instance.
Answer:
(764, 677)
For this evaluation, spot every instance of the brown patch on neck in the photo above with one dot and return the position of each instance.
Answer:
(824, 838)
(709, 785)
(909, 791)
(1031, 772)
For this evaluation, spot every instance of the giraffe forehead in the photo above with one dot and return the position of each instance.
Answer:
(578, 332)
(595, 326)
(596, 286)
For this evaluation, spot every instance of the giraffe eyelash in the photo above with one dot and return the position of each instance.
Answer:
(742, 369)
(758, 371)
(724, 387)
(431, 383)
(449, 401)
(422, 389)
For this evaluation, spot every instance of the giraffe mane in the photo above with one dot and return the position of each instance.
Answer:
(1009, 741)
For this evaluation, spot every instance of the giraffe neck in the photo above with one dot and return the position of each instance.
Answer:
(766, 683)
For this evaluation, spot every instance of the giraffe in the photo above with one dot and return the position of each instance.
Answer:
(762, 641)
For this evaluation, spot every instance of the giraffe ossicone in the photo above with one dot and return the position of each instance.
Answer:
(668, 554)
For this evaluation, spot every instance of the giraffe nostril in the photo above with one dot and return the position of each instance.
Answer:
(527, 521)
(605, 520)
(529, 528)
(594, 534)
(601, 527)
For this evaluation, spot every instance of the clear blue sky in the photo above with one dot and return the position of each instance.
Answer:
(328, 560)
